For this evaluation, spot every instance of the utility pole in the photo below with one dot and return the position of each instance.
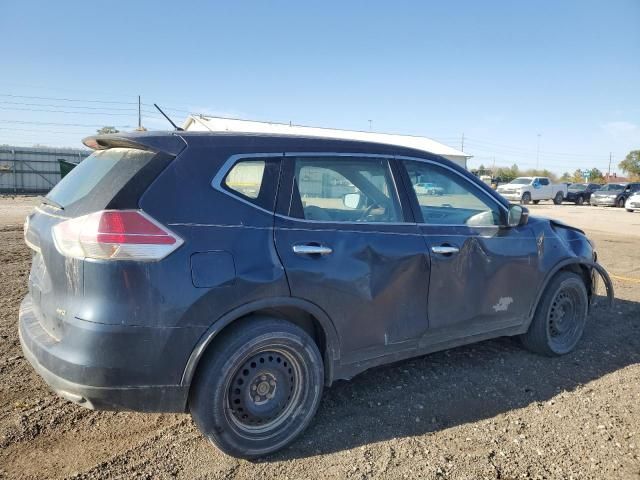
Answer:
(538, 153)
(462, 143)
(370, 121)
(139, 114)
(609, 169)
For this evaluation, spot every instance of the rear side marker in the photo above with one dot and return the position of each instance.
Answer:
(115, 235)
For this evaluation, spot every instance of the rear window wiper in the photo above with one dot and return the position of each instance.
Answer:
(52, 203)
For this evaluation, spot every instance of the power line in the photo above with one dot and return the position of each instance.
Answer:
(64, 111)
(4, 102)
(511, 147)
(66, 99)
(25, 122)
(38, 130)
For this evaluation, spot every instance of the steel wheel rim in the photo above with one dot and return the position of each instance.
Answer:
(564, 319)
(249, 409)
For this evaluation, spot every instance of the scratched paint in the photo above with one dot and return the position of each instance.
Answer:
(503, 304)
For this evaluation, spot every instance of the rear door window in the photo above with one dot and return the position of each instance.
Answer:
(345, 189)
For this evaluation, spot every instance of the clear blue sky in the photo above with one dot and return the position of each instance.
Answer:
(501, 72)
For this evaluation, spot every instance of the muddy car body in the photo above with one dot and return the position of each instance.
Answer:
(235, 275)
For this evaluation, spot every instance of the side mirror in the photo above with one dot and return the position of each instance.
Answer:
(351, 200)
(518, 215)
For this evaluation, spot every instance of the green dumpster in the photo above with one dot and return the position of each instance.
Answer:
(66, 167)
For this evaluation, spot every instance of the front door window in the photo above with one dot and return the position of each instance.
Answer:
(446, 198)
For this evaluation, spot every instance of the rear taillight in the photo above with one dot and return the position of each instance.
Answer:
(115, 235)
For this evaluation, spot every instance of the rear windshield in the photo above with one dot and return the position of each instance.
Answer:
(98, 178)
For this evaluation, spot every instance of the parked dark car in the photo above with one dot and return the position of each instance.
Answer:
(629, 190)
(579, 193)
(614, 194)
(236, 275)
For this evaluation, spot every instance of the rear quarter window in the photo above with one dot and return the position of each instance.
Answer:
(254, 180)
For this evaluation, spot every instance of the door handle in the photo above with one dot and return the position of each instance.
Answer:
(310, 249)
(445, 249)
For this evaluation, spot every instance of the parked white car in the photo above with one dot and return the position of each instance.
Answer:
(633, 202)
(428, 189)
(533, 189)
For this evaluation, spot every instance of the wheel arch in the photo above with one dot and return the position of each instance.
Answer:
(303, 313)
(581, 267)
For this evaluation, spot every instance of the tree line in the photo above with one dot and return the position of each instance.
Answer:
(630, 165)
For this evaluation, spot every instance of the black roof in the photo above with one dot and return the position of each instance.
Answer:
(173, 142)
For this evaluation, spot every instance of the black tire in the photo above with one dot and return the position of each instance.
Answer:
(580, 200)
(255, 357)
(629, 210)
(526, 198)
(620, 202)
(536, 202)
(560, 317)
(558, 198)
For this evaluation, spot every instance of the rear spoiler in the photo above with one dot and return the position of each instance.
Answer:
(169, 143)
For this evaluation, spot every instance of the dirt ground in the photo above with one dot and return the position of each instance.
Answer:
(490, 410)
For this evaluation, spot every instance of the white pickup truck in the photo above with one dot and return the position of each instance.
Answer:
(533, 189)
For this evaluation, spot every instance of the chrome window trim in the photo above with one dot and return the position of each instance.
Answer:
(226, 167)
(217, 180)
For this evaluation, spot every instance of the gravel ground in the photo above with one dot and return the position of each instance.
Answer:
(490, 410)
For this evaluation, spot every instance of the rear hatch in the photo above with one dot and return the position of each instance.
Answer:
(108, 179)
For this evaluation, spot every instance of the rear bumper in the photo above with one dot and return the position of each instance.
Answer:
(97, 376)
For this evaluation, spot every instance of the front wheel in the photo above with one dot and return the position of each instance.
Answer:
(629, 210)
(560, 317)
(258, 387)
(558, 198)
(526, 198)
(620, 203)
(536, 202)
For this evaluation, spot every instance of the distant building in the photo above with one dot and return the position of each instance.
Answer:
(219, 124)
(615, 178)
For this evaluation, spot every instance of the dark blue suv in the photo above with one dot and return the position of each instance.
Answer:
(236, 275)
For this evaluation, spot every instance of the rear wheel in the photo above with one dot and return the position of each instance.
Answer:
(579, 200)
(620, 203)
(526, 198)
(558, 198)
(560, 316)
(258, 387)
